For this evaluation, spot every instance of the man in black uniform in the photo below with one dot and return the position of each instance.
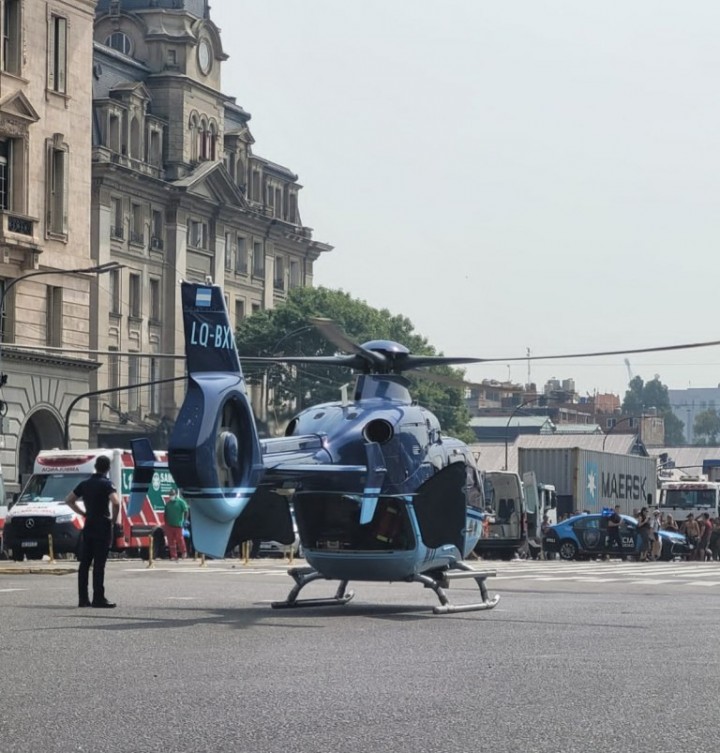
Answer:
(613, 528)
(98, 494)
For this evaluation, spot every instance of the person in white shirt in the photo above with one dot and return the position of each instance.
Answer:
(656, 525)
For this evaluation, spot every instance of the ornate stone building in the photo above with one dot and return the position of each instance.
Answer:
(45, 149)
(178, 192)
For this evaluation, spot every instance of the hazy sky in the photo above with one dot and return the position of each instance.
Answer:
(507, 174)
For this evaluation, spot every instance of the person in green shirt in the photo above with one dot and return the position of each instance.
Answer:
(176, 510)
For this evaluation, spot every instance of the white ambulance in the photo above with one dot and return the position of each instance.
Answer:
(40, 518)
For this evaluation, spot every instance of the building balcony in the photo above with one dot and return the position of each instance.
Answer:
(117, 232)
(156, 243)
(20, 231)
(137, 239)
(104, 154)
(18, 226)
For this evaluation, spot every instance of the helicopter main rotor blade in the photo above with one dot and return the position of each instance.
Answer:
(339, 339)
(414, 362)
(597, 354)
(431, 376)
(348, 362)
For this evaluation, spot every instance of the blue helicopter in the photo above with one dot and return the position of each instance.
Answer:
(378, 492)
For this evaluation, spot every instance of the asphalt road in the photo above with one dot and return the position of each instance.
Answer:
(577, 657)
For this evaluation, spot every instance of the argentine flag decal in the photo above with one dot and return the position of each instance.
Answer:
(203, 297)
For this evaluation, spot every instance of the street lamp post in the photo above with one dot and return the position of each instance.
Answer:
(99, 269)
(536, 399)
(107, 391)
(542, 400)
(612, 428)
(273, 352)
(288, 335)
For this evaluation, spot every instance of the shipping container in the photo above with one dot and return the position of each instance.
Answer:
(587, 480)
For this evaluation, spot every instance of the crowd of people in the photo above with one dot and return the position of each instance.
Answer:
(702, 532)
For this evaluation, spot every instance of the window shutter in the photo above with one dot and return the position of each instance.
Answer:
(65, 190)
(49, 186)
(51, 54)
(61, 53)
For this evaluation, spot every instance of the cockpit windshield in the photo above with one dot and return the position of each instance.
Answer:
(48, 488)
(688, 499)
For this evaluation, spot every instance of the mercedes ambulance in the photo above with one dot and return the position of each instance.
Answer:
(40, 518)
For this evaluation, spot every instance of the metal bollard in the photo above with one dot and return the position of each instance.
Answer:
(291, 554)
(51, 551)
(246, 552)
(202, 561)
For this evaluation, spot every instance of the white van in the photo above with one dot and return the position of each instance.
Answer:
(40, 518)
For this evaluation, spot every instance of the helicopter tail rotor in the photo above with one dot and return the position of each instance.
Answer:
(214, 451)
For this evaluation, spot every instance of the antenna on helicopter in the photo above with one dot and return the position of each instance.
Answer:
(344, 394)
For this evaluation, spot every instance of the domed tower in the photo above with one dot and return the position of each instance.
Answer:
(173, 41)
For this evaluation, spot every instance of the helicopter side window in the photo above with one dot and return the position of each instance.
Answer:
(473, 490)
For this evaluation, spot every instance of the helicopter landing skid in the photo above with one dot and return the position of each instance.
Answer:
(442, 581)
(304, 575)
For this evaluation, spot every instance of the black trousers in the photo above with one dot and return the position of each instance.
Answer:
(614, 540)
(94, 550)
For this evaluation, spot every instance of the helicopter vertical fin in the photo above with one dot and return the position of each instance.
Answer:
(212, 525)
(145, 467)
(214, 452)
(209, 338)
(375, 475)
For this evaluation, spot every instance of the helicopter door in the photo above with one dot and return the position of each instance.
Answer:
(266, 517)
(440, 508)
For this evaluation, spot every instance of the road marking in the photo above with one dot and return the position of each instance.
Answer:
(701, 583)
(632, 573)
(10, 590)
(205, 570)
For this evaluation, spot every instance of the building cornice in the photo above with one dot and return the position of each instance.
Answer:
(25, 356)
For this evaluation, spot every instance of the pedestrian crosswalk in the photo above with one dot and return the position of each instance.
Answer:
(705, 574)
(702, 574)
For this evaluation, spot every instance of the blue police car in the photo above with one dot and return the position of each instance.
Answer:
(587, 536)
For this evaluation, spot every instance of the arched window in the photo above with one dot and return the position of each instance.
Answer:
(113, 139)
(212, 141)
(203, 135)
(135, 147)
(120, 41)
(193, 125)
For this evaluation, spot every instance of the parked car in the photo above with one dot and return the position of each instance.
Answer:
(587, 535)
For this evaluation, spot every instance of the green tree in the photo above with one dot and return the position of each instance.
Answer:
(285, 330)
(707, 424)
(640, 396)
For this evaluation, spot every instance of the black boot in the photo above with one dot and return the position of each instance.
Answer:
(104, 604)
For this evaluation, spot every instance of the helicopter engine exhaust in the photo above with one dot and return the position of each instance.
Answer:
(379, 430)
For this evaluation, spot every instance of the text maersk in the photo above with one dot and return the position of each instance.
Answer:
(623, 486)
